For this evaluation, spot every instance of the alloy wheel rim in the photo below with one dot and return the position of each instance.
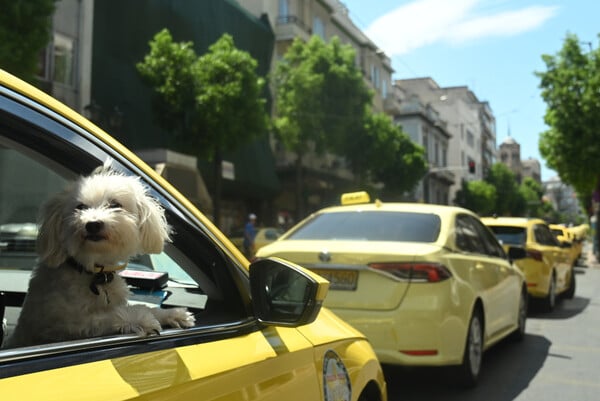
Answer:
(522, 314)
(475, 346)
(552, 294)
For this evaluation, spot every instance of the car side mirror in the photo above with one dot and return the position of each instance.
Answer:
(285, 294)
(516, 253)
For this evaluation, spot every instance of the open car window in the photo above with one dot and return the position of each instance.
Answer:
(39, 156)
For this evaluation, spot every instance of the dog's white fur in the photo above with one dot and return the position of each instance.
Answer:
(60, 305)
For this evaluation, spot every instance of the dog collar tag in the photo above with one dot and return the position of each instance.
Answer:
(100, 279)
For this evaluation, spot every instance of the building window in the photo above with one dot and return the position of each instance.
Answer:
(436, 150)
(318, 27)
(284, 8)
(63, 59)
(375, 76)
(384, 91)
(470, 139)
(43, 69)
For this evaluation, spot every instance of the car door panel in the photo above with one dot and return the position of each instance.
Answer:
(240, 368)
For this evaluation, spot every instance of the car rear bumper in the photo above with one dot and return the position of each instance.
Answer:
(426, 330)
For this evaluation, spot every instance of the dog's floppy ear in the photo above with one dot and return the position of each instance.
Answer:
(50, 245)
(154, 230)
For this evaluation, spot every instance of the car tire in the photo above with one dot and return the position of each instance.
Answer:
(519, 333)
(570, 293)
(549, 302)
(468, 372)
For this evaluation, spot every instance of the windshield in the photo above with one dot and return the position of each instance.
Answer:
(371, 226)
(509, 235)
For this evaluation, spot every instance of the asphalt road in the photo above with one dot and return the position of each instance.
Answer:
(559, 359)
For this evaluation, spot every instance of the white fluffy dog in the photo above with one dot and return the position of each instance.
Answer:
(87, 233)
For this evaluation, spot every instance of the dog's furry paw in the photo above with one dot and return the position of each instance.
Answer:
(139, 320)
(174, 317)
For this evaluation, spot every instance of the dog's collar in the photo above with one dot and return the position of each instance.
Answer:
(102, 274)
(97, 268)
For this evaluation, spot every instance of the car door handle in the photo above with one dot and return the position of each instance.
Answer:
(479, 266)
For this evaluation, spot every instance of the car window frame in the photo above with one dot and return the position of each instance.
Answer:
(491, 244)
(464, 241)
(63, 133)
(543, 235)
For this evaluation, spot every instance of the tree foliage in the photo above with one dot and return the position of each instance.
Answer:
(211, 103)
(25, 28)
(323, 103)
(570, 87)
(320, 95)
(478, 196)
(509, 201)
(393, 158)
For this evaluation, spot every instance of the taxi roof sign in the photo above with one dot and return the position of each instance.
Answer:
(353, 198)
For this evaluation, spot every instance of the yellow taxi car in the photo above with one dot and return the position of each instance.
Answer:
(252, 340)
(566, 238)
(547, 267)
(579, 234)
(429, 285)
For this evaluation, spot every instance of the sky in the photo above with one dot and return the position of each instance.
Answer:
(494, 47)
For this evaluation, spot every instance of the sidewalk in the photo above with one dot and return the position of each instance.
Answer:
(589, 259)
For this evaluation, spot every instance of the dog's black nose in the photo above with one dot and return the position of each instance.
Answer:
(94, 227)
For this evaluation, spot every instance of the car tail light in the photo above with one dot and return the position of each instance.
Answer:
(422, 272)
(534, 254)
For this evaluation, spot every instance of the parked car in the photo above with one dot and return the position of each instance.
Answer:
(260, 331)
(429, 285)
(566, 238)
(264, 236)
(547, 267)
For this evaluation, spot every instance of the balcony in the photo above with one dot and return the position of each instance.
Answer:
(288, 27)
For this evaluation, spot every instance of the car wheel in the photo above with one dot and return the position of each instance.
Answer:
(519, 333)
(570, 293)
(468, 371)
(550, 301)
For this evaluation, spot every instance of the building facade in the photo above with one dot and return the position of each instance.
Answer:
(325, 176)
(462, 111)
(423, 123)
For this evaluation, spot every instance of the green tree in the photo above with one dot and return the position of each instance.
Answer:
(570, 87)
(320, 100)
(212, 103)
(509, 202)
(25, 28)
(532, 192)
(571, 146)
(478, 196)
(393, 158)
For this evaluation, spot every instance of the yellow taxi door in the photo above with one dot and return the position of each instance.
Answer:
(273, 364)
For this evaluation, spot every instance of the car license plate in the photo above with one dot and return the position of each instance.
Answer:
(344, 280)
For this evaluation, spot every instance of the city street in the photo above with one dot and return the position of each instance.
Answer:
(558, 359)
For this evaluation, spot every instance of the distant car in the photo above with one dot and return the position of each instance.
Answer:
(566, 239)
(429, 285)
(260, 331)
(264, 236)
(547, 267)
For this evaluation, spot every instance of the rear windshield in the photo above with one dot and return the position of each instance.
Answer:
(371, 226)
(509, 235)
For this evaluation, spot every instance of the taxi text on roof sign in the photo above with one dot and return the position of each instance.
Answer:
(352, 198)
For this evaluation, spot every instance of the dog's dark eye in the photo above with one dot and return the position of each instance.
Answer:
(81, 206)
(115, 205)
